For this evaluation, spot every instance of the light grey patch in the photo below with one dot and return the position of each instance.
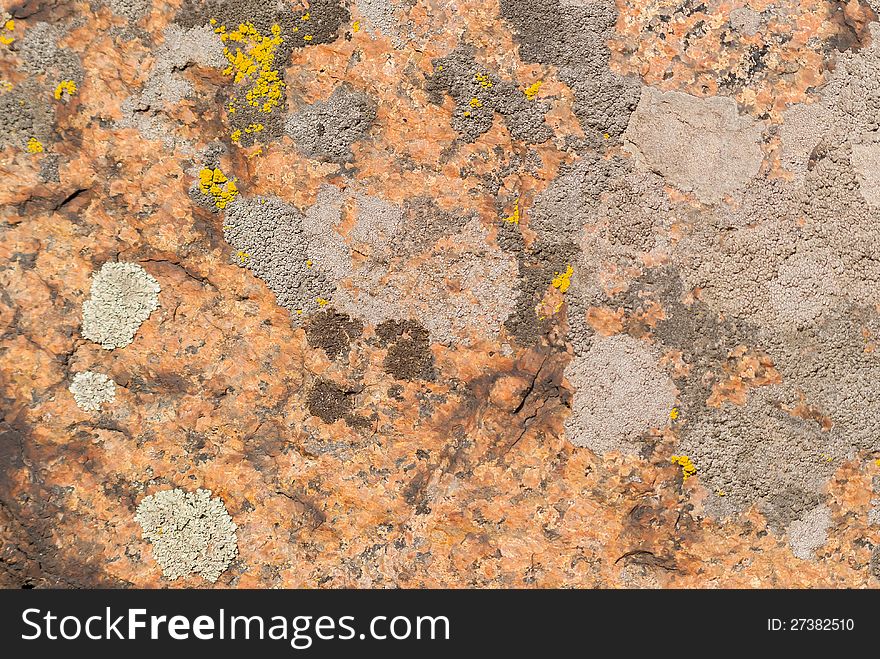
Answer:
(479, 95)
(379, 223)
(465, 288)
(620, 394)
(91, 389)
(700, 145)
(866, 163)
(327, 246)
(166, 87)
(746, 20)
(41, 54)
(133, 10)
(269, 240)
(326, 130)
(190, 533)
(381, 15)
(809, 533)
(123, 296)
(803, 128)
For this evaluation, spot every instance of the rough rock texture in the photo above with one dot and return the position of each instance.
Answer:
(523, 293)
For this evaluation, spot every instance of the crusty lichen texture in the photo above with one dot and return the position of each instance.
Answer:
(90, 390)
(190, 533)
(123, 295)
(527, 293)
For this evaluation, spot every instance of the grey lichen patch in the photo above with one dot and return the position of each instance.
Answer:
(41, 54)
(480, 94)
(190, 532)
(460, 288)
(700, 145)
(760, 454)
(408, 355)
(166, 86)
(25, 114)
(268, 238)
(574, 38)
(810, 533)
(326, 130)
(333, 332)
(123, 296)
(90, 390)
(620, 394)
(381, 16)
(133, 10)
(866, 164)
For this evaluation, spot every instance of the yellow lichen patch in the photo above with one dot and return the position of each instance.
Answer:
(688, 468)
(673, 413)
(236, 136)
(35, 146)
(356, 26)
(65, 87)
(305, 16)
(322, 302)
(6, 37)
(308, 37)
(309, 263)
(213, 183)
(243, 256)
(531, 91)
(252, 63)
(476, 103)
(562, 280)
(513, 218)
(483, 79)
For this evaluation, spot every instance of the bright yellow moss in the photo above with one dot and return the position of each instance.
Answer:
(513, 218)
(213, 183)
(35, 146)
(6, 37)
(562, 280)
(250, 61)
(688, 468)
(532, 90)
(483, 79)
(65, 86)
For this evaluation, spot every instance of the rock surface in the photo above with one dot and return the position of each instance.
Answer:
(459, 293)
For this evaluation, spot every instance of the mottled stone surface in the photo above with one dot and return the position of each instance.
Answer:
(465, 320)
